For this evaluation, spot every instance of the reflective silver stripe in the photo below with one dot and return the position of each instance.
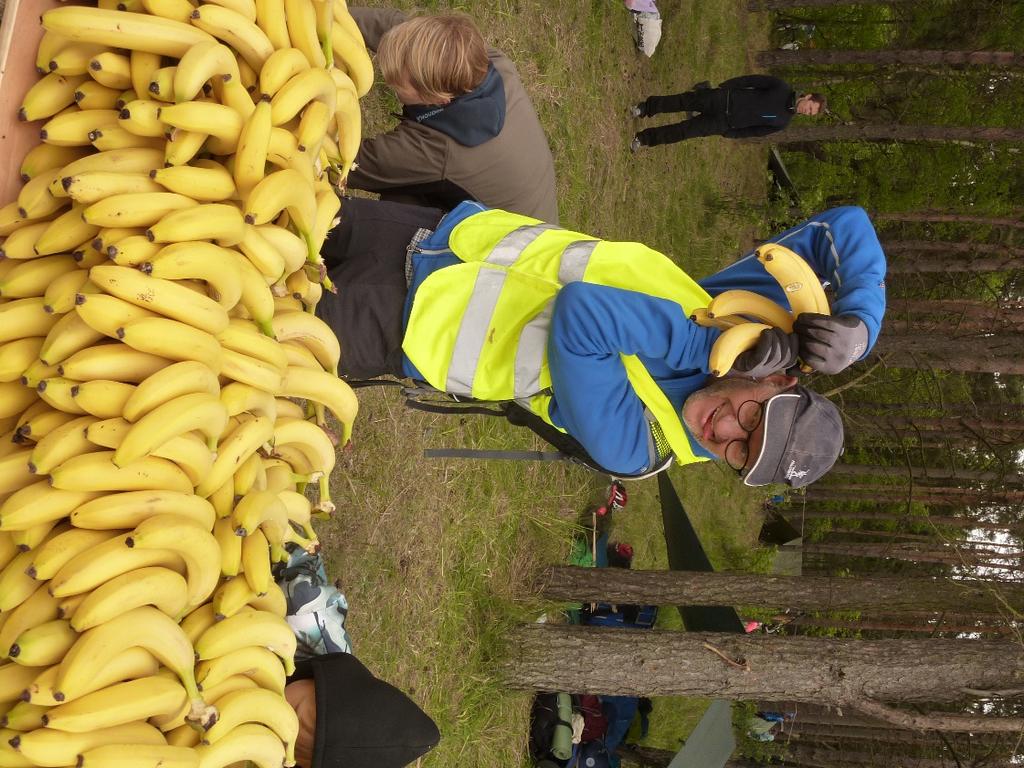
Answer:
(509, 248)
(574, 261)
(473, 330)
(530, 353)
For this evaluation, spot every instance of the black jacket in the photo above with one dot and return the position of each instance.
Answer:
(757, 105)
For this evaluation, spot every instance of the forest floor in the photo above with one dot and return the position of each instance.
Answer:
(438, 558)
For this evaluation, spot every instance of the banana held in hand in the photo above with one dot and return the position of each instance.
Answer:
(802, 287)
(733, 342)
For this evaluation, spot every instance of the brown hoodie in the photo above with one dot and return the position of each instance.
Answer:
(415, 163)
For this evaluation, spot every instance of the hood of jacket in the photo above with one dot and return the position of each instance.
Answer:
(470, 119)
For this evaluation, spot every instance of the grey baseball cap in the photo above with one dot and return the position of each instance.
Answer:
(803, 438)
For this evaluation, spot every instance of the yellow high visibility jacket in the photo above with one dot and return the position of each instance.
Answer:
(480, 328)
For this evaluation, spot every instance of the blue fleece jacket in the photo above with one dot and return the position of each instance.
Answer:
(592, 324)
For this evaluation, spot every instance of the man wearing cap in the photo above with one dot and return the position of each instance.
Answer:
(595, 338)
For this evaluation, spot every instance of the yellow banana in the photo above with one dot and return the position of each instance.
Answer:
(36, 422)
(162, 296)
(49, 96)
(136, 756)
(70, 334)
(16, 586)
(305, 87)
(738, 302)
(799, 282)
(256, 296)
(37, 201)
(47, 157)
(353, 58)
(250, 370)
(249, 741)
(206, 181)
(325, 388)
(141, 118)
(61, 444)
(57, 392)
(102, 398)
(252, 661)
(14, 679)
(210, 221)
(171, 382)
(233, 449)
(216, 120)
(127, 510)
(270, 17)
(105, 314)
(118, 29)
(194, 543)
(111, 69)
(65, 233)
(20, 244)
(257, 706)
(31, 377)
(59, 297)
(183, 145)
(243, 398)
(39, 503)
(238, 32)
(312, 333)
(164, 589)
(198, 621)
(39, 608)
(211, 263)
(31, 277)
(15, 472)
(256, 562)
(196, 411)
(251, 152)
(161, 84)
(282, 66)
(59, 550)
(72, 129)
(310, 439)
(176, 10)
(731, 344)
(172, 340)
(313, 127)
(259, 628)
(201, 63)
(349, 128)
(135, 160)
(246, 8)
(92, 95)
(30, 538)
(250, 476)
(265, 257)
(118, 704)
(97, 472)
(244, 337)
(230, 547)
(49, 45)
(279, 191)
(48, 746)
(116, 362)
(132, 251)
(231, 596)
(302, 32)
(73, 58)
(24, 716)
(143, 65)
(17, 355)
(289, 245)
(259, 508)
(43, 645)
(136, 210)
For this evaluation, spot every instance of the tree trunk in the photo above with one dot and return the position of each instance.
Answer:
(941, 217)
(581, 659)
(830, 57)
(926, 473)
(817, 513)
(930, 256)
(889, 132)
(992, 353)
(822, 593)
(774, 5)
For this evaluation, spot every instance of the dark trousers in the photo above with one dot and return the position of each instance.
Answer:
(713, 120)
(365, 257)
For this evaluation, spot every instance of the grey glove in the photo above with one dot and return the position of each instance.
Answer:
(830, 343)
(776, 351)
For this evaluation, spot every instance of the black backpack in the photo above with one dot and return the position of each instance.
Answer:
(544, 719)
(567, 448)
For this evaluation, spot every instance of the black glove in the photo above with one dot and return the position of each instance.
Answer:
(776, 351)
(830, 343)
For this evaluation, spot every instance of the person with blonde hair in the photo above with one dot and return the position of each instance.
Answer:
(468, 130)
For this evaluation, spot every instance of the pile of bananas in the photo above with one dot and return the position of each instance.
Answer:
(158, 273)
(732, 310)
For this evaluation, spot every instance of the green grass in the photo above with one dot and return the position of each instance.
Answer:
(438, 558)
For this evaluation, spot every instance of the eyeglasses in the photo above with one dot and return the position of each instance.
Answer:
(748, 416)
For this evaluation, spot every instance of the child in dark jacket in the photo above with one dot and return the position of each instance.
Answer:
(751, 105)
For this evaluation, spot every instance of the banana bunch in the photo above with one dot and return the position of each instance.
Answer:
(743, 315)
(164, 383)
